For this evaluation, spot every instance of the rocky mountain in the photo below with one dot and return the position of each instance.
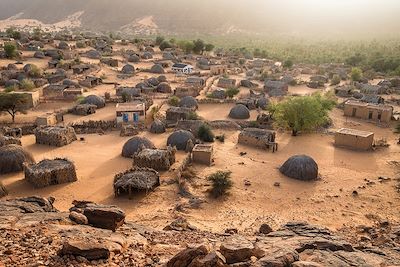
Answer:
(215, 17)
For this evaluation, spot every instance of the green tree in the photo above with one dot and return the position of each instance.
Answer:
(13, 103)
(303, 113)
(288, 63)
(164, 45)
(173, 101)
(209, 47)
(159, 40)
(11, 50)
(335, 80)
(356, 74)
(13, 33)
(37, 33)
(199, 46)
(231, 92)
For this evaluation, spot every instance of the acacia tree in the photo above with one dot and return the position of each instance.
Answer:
(302, 113)
(10, 50)
(13, 104)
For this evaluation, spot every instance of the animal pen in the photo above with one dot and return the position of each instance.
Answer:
(136, 179)
(260, 138)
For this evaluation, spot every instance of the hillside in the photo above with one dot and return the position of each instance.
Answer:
(214, 17)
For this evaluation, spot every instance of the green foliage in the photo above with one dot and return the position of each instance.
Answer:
(209, 47)
(193, 116)
(242, 61)
(27, 85)
(199, 46)
(356, 74)
(154, 110)
(80, 99)
(221, 183)
(205, 133)
(159, 40)
(10, 49)
(80, 44)
(335, 80)
(11, 88)
(186, 46)
(13, 103)
(288, 63)
(164, 45)
(231, 92)
(125, 97)
(173, 101)
(302, 113)
(35, 72)
(13, 33)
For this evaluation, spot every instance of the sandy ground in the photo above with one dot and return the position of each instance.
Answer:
(328, 201)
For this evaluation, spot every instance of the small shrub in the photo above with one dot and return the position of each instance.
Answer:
(221, 183)
(231, 92)
(11, 88)
(293, 82)
(288, 63)
(80, 99)
(220, 138)
(193, 116)
(154, 110)
(173, 101)
(253, 124)
(27, 85)
(11, 50)
(103, 77)
(35, 72)
(205, 134)
(335, 80)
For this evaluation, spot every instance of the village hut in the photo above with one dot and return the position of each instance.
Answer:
(136, 179)
(39, 54)
(164, 88)
(162, 78)
(9, 140)
(153, 81)
(157, 159)
(96, 100)
(147, 55)
(157, 68)
(134, 145)
(180, 138)
(157, 127)
(84, 109)
(133, 58)
(63, 45)
(93, 54)
(239, 111)
(55, 135)
(50, 172)
(300, 167)
(128, 69)
(13, 158)
(3, 190)
(188, 102)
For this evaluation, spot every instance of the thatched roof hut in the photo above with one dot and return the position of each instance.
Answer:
(50, 172)
(128, 69)
(157, 159)
(134, 145)
(164, 87)
(180, 138)
(3, 190)
(133, 58)
(157, 127)
(13, 158)
(137, 179)
(188, 102)
(300, 167)
(157, 68)
(239, 111)
(95, 100)
(55, 135)
(93, 54)
(9, 140)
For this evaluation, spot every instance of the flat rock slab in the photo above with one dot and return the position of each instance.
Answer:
(89, 249)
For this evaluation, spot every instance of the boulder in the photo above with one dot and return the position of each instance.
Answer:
(185, 257)
(78, 218)
(213, 259)
(306, 264)
(279, 257)
(265, 229)
(103, 216)
(89, 249)
(237, 249)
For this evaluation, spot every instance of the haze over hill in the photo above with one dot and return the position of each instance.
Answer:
(288, 17)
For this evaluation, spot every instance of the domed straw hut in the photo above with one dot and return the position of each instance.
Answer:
(157, 68)
(136, 179)
(157, 127)
(157, 159)
(188, 102)
(3, 190)
(55, 135)
(179, 139)
(134, 145)
(239, 111)
(13, 158)
(50, 172)
(9, 140)
(128, 69)
(96, 100)
(300, 167)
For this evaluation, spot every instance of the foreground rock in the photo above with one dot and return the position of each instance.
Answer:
(32, 231)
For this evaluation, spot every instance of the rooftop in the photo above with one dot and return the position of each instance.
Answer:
(369, 105)
(202, 148)
(354, 132)
(130, 106)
